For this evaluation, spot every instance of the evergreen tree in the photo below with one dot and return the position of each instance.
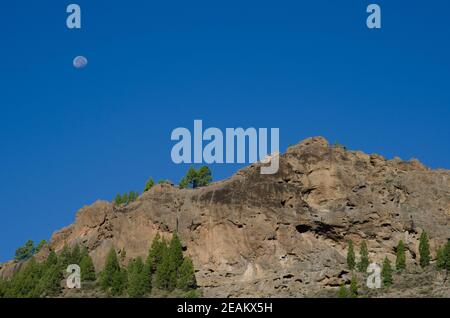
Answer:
(111, 272)
(364, 258)
(204, 176)
(443, 257)
(132, 196)
(65, 257)
(343, 291)
(125, 199)
(189, 179)
(136, 282)
(147, 275)
(440, 258)
(447, 255)
(164, 278)
(118, 282)
(424, 250)
(186, 280)
(150, 183)
(25, 252)
(386, 273)
(75, 255)
(118, 199)
(50, 283)
(353, 287)
(176, 251)
(400, 262)
(156, 253)
(23, 283)
(87, 267)
(52, 259)
(41, 245)
(196, 178)
(350, 256)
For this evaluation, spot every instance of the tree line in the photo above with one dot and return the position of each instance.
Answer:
(194, 178)
(442, 263)
(164, 268)
(35, 280)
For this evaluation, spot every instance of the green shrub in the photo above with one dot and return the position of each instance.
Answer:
(343, 292)
(424, 250)
(386, 273)
(400, 262)
(353, 287)
(364, 258)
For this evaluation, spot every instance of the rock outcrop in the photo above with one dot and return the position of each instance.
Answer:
(284, 234)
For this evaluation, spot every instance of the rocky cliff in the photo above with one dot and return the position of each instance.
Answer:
(284, 234)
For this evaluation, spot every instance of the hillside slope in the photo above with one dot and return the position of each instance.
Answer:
(284, 234)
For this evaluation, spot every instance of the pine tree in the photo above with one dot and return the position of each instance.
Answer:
(350, 256)
(50, 283)
(156, 253)
(353, 287)
(364, 258)
(75, 255)
(164, 277)
(150, 183)
(186, 280)
(176, 251)
(125, 199)
(24, 283)
(424, 250)
(386, 273)
(65, 257)
(111, 272)
(118, 282)
(87, 267)
(196, 178)
(41, 245)
(343, 291)
(174, 261)
(25, 252)
(136, 283)
(443, 257)
(147, 273)
(440, 258)
(52, 259)
(400, 262)
(204, 176)
(447, 255)
(118, 199)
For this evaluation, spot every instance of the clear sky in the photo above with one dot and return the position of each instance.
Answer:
(69, 136)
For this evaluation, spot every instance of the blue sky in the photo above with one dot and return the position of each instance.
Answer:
(69, 137)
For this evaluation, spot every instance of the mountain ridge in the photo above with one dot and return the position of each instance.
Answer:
(255, 235)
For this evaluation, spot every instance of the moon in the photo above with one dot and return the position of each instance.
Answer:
(80, 62)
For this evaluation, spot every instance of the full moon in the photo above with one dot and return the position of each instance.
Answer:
(80, 62)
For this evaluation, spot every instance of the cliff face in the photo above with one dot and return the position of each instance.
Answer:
(283, 234)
